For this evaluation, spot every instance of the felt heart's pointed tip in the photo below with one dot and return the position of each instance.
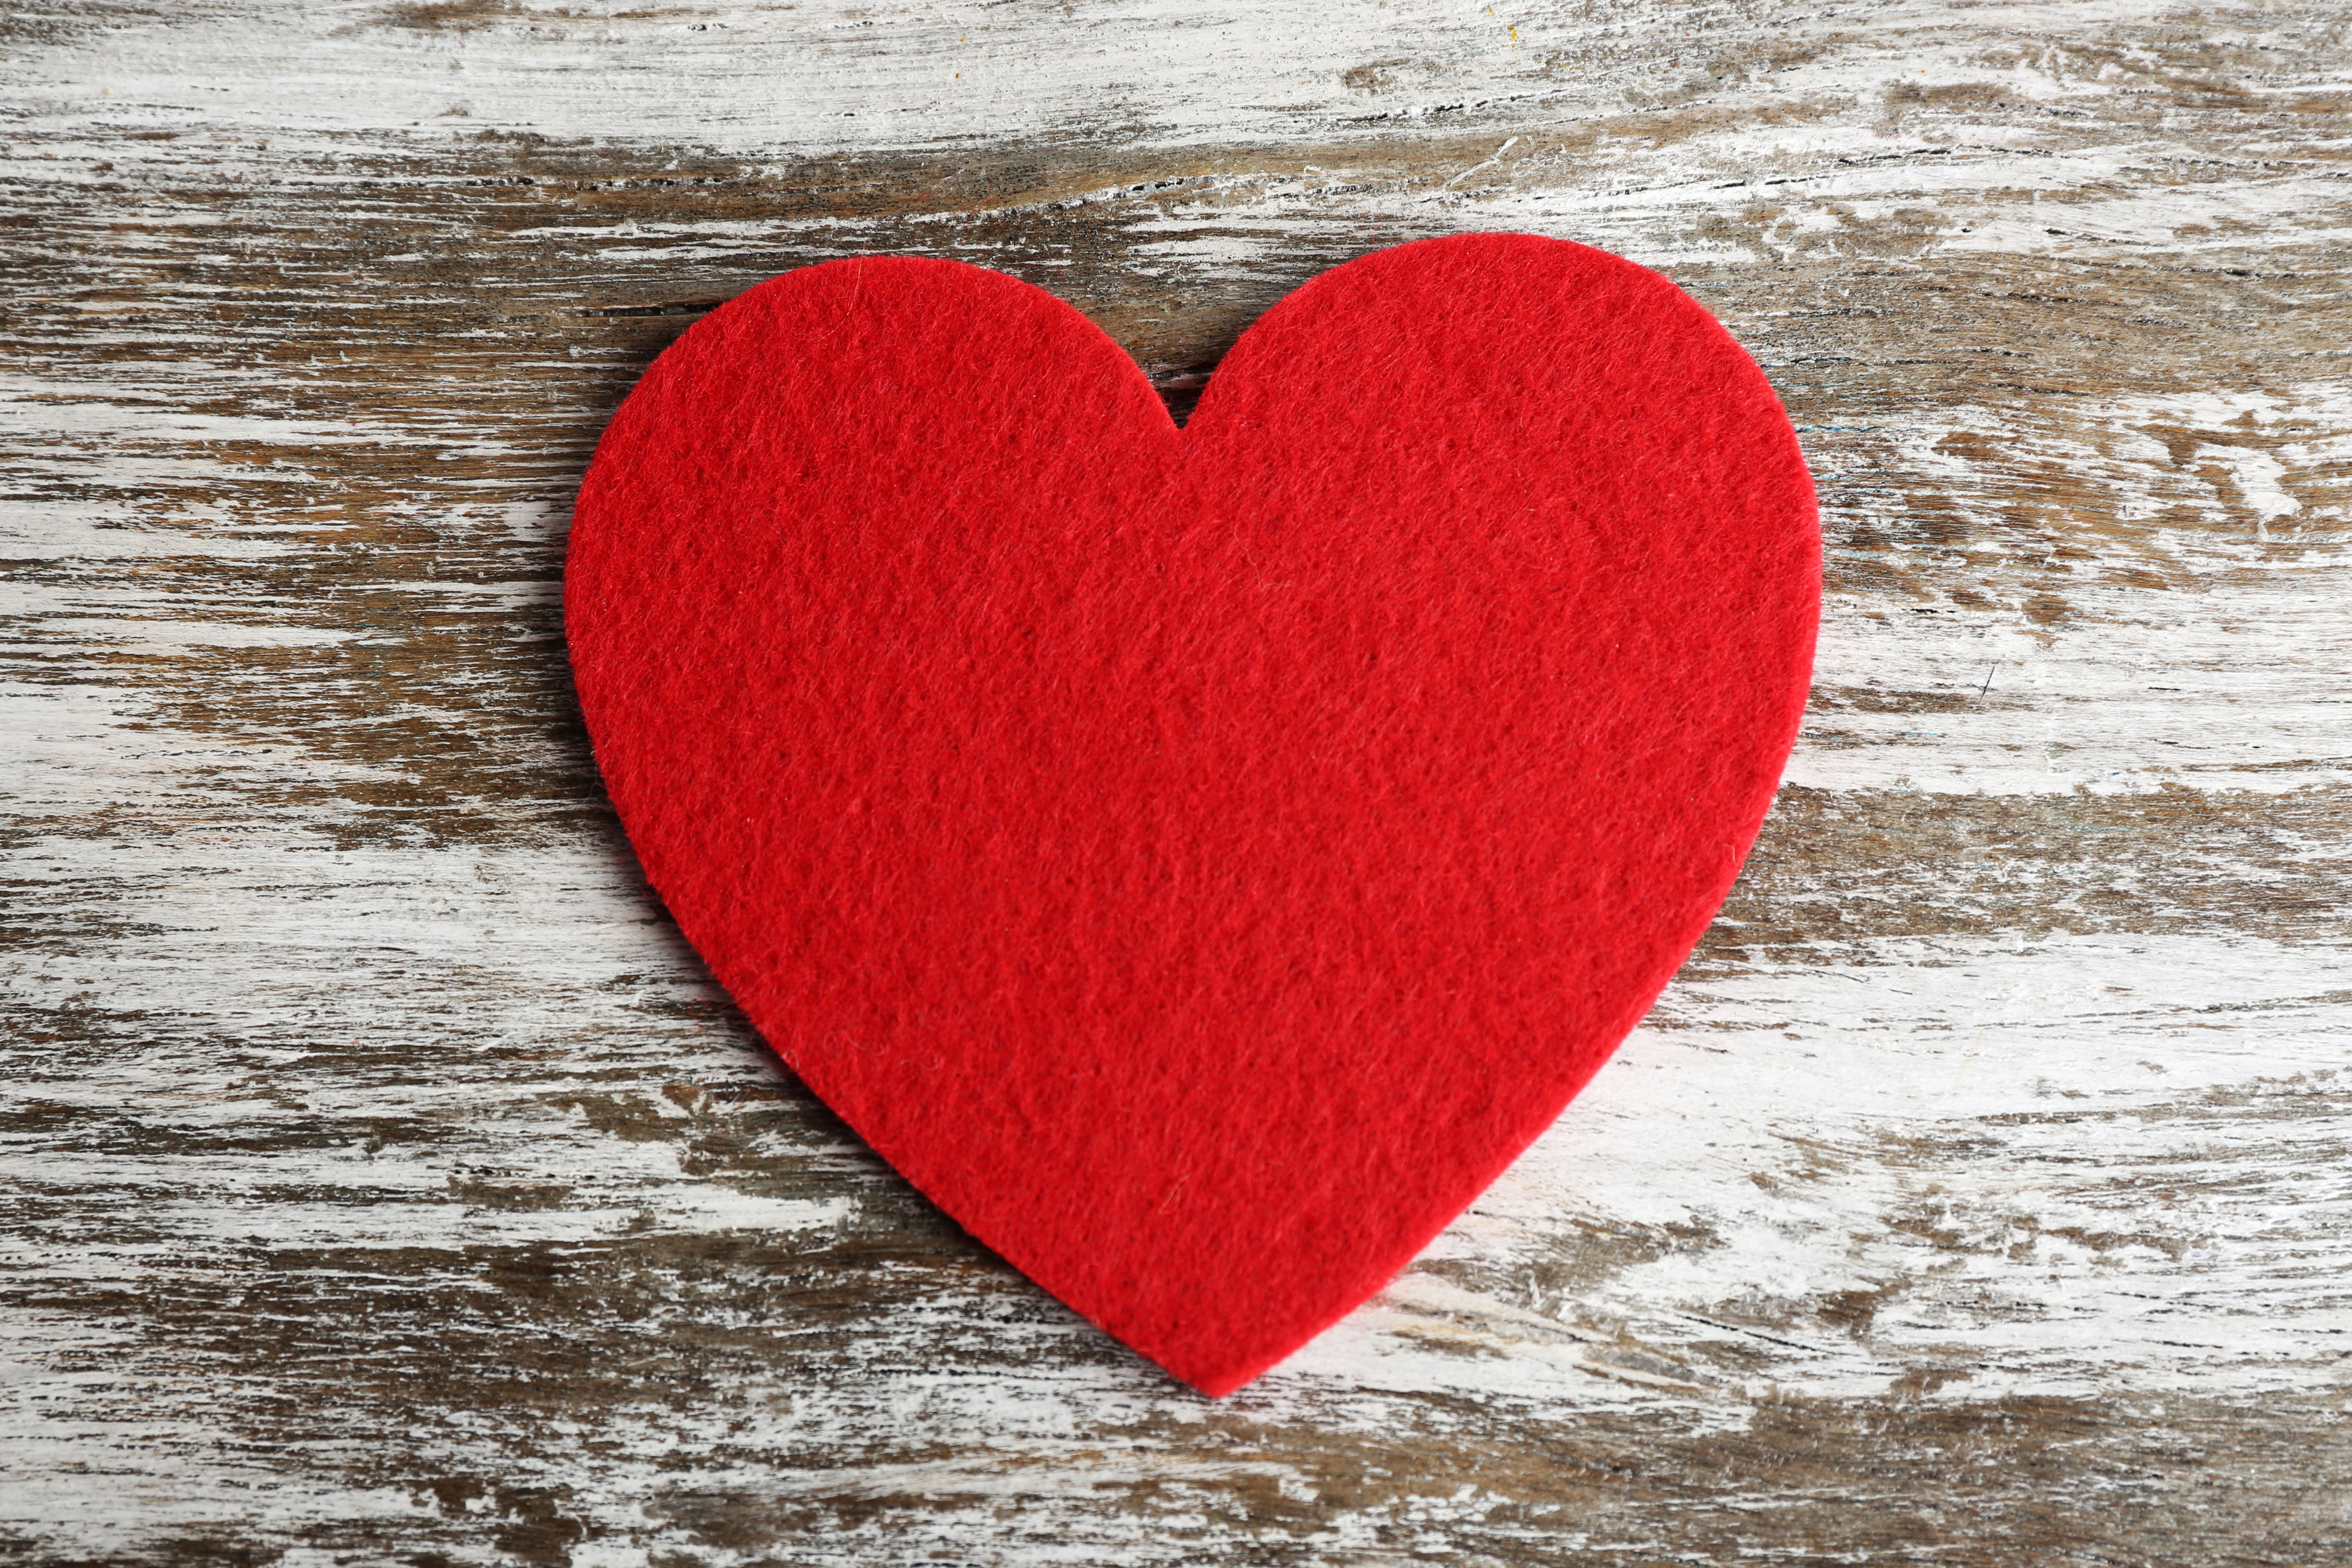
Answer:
(1223, 1377)
(1220, 1388)
(1224, 1364)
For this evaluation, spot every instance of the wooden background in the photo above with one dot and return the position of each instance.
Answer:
(384, 1183)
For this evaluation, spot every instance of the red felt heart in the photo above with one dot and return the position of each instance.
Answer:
(1199, 859)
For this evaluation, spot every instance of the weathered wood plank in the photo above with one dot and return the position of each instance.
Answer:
(385, 1181)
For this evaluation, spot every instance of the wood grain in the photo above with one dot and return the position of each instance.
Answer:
(384, 1182)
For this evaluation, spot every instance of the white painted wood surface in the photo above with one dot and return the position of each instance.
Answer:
(384, 1182)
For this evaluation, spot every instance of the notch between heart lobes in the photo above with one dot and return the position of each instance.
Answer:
(1198, 860)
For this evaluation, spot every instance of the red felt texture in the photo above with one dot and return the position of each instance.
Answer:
(1199, 859)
